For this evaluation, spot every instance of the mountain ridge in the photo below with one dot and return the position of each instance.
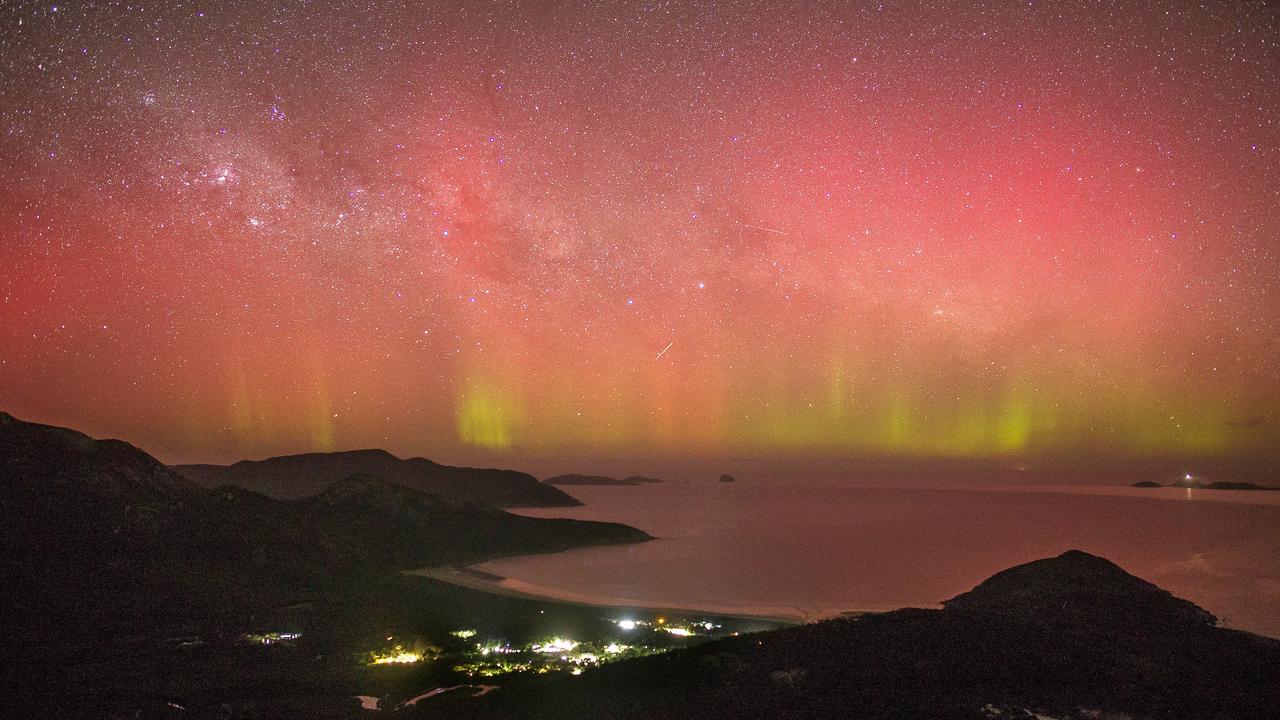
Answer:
(100, 531)
(290, 477)
(1073, 585)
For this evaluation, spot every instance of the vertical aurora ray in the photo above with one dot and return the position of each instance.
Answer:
(489, 415)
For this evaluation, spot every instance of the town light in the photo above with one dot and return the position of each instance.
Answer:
(397, 657)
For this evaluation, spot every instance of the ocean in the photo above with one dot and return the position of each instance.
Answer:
(810, 551)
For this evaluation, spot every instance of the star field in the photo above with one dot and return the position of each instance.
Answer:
(505, 230)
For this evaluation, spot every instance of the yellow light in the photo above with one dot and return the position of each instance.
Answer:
(489, 415)
(398, 658)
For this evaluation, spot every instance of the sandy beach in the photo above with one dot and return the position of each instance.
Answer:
(491, 583)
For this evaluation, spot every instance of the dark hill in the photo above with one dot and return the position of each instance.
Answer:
(99, 537)
(412, 529)
(1077, 588)
(1068, 637)
(291, 477)
(100, 531)
(45, 459)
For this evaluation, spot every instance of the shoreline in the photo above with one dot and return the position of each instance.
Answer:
(483, 581)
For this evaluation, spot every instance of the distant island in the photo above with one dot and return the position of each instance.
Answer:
(727, 478)
(1190, 483)
(574, 479)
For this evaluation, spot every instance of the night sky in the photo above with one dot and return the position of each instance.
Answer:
(501, 232)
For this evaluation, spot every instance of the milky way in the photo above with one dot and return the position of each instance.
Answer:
(494, 231)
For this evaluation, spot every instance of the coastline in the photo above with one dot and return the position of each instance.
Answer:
(482, 581)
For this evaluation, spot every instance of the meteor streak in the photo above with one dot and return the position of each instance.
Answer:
(765, 229)
(668, 347)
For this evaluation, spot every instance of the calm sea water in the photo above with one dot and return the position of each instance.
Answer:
(819, 550)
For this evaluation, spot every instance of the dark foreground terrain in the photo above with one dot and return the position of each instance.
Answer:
(97, 534)
(1068, 637)
(132, 592)
(237, 665)
(110, 563)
